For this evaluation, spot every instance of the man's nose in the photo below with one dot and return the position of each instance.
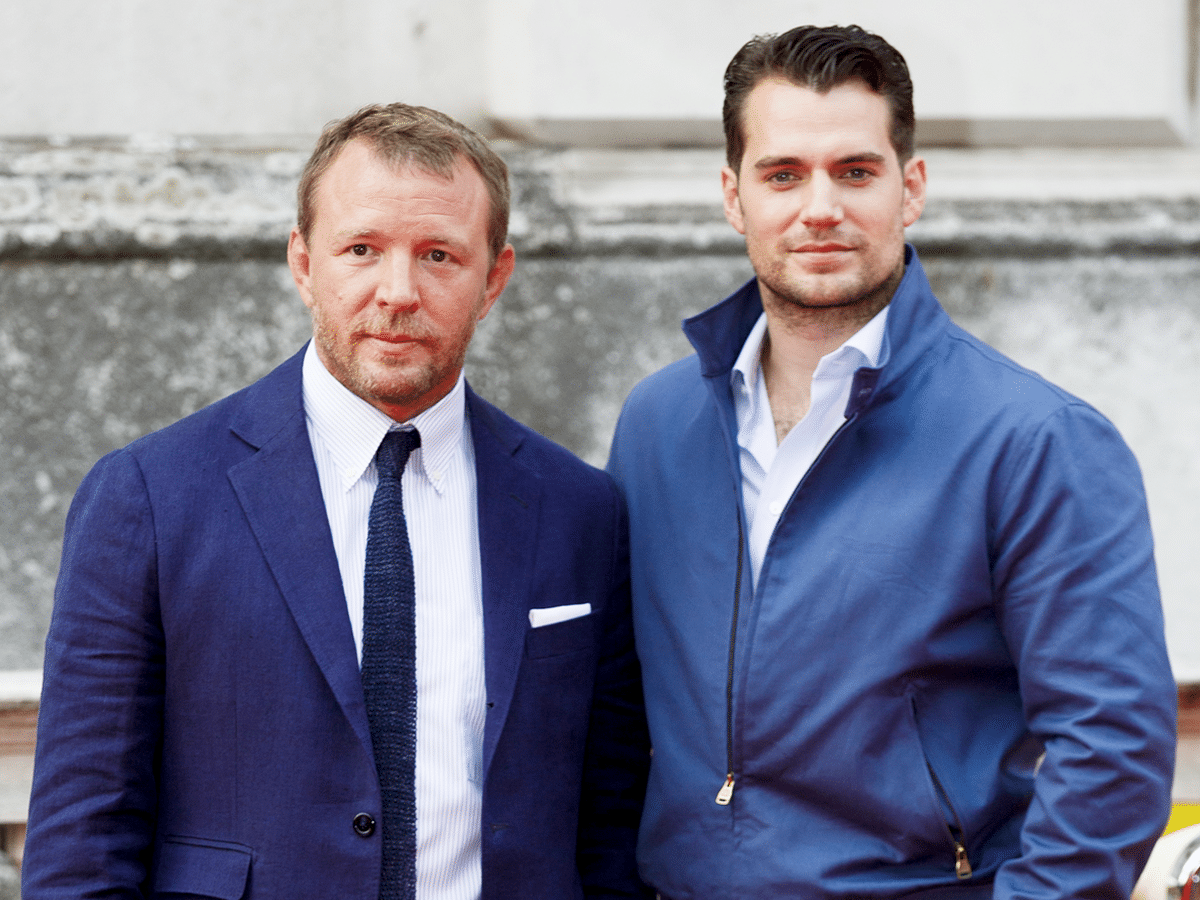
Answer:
(822, 202)
(397, 285)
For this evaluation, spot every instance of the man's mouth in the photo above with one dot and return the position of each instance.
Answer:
(824, 247)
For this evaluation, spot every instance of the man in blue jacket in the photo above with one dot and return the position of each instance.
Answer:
(894, 595)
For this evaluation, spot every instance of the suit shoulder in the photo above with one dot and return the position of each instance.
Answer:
(262, 407)
(187, 429)
(547, 458)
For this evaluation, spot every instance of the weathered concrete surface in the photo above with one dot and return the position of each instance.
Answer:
(10, 880)
(94, 354)
(151, 197)
(137, 284)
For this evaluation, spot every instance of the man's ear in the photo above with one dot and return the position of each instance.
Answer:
(733, 203)
(914, 190)
(300, 263)
(497, 278)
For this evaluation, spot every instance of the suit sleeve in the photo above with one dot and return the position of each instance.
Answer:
(618, 754)
(1078, 602)
(92, 810)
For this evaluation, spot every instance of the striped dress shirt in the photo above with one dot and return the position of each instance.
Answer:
(440, 508)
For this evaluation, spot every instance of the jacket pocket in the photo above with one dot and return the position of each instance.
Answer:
(194, 867)
(562, 637)
(955, 833)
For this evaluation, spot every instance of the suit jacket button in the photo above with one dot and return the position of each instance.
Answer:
(364, 825)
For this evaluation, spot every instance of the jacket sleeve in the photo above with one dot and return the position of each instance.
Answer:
(618, 752)
(1077, 599)
(92, 811)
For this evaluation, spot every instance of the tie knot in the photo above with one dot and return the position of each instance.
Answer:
(393, 452)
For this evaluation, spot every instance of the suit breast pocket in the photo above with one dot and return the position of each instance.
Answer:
(194, 867)
(572, 636)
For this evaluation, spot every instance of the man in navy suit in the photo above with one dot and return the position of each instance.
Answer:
(204, 730)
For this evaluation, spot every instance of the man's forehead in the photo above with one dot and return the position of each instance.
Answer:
(363, 153)
(360, 172)
(779, 113)
(365, 194)
(777, 94)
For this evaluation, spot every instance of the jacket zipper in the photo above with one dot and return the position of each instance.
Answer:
(962, 865)
(725, 794)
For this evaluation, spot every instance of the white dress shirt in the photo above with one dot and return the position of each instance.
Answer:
(443, 528)
(770, 471)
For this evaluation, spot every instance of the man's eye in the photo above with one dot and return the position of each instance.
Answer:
(359, 250)
(782, 177)
(858, 174)
(438, 255)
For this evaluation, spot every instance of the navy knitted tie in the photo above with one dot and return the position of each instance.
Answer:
(389, 665)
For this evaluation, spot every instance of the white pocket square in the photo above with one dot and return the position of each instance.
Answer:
(554, 614)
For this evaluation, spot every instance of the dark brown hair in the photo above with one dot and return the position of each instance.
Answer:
(820, 59)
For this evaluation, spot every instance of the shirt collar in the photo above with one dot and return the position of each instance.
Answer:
(866, 347)
(749, 361)
(352, 428)
(870, 341)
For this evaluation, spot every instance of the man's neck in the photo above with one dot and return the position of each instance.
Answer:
(798, 337)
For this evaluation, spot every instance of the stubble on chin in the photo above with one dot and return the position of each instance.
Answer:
(392, 384)
(838, 300)
(385, 381)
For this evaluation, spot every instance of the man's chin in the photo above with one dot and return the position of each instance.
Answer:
(846, 290)
(398, 391)
(404, 395)
(820, 296)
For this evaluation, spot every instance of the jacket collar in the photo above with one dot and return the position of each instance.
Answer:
(914, 323)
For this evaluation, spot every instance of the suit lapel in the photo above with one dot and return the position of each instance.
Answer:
(509, 497)
(280, 494)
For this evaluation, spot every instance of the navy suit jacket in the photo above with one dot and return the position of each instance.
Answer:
(203, 730)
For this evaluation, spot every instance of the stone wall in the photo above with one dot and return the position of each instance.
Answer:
(139, 282)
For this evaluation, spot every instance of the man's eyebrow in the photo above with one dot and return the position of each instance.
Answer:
(876, 158)
(354, 233)
(775, 162)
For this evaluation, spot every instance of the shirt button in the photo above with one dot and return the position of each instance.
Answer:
(775, 507)
(364, 825)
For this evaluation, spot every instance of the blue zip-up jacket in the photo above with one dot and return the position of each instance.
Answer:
(951, 679)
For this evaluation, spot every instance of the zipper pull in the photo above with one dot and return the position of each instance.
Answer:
(725, 794)
(962, 865)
